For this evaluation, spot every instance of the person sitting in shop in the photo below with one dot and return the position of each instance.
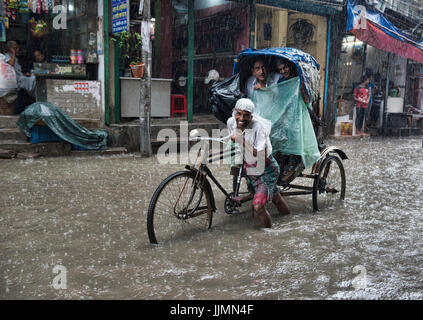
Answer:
(26, 82)
(39, 56)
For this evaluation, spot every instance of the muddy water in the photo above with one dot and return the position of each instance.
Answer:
(88, 215)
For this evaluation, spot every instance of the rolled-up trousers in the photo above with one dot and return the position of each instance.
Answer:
(360, 115)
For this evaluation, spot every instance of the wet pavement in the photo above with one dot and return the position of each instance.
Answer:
(75, 228)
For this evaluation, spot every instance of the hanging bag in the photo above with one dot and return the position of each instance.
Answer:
(7, 77)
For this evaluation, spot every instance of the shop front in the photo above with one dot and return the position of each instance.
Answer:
(129, 36)
(221, 30)
(307, 31)
(375, 47)
(195, 43)
(60, 43)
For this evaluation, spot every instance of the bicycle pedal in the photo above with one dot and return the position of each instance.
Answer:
(231, 205)
(231, 210)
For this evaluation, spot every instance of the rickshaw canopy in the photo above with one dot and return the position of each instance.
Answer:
(282, 103)
(307, 67)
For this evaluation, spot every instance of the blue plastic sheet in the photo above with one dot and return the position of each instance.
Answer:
(372, 15)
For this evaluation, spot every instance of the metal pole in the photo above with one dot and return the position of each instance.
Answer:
(145, 84)
(363, 68)
(388, 67)
(190, 98)
(106, 62)
(327, 66)
(117, 83)
(252, 23)
(157, 39)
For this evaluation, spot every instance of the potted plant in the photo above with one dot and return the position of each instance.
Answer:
(131, 44)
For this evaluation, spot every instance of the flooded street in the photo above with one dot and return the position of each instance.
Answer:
(85, 219)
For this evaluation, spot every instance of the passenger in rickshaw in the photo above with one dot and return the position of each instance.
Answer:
(260, 76)
(291, 165)
(285, 68)
(256, 144)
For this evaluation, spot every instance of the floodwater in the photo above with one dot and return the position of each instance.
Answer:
(75, 228)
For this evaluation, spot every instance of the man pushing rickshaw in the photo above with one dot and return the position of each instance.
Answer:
(269, 106)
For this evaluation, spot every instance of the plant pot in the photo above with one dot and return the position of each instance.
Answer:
(137, 70)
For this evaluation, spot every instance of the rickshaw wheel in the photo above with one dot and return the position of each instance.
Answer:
(329, 185)
(179, 205)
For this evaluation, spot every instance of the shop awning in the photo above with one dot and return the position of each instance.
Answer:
(380, 33)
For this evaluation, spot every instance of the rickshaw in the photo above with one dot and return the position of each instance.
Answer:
(185, 199)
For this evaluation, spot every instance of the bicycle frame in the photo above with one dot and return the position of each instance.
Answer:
(203, 170)
(214, 157)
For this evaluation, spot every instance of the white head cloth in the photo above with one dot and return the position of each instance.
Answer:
(245, 104)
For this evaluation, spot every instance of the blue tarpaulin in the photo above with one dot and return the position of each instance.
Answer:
(223, 95)
(62, 125)
(372, 27)
(282, 103)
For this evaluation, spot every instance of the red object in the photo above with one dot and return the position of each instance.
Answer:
(374, 36)
(178, 105)
(361, 93)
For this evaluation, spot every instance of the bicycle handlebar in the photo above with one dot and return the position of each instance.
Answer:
(199, 138)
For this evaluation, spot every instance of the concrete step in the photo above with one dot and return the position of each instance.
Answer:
(13, 134)
(8, 122)
(107, 152)
(46, 149)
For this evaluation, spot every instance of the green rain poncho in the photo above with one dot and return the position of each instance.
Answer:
(292, 131)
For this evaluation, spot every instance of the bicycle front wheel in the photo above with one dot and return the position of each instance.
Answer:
(181, 204)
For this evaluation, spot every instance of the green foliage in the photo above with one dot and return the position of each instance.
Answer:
(130, 45)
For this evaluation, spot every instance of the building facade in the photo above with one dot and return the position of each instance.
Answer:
(190, 38)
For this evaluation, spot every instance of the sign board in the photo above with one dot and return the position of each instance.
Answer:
(120, 16)
(78, 98)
